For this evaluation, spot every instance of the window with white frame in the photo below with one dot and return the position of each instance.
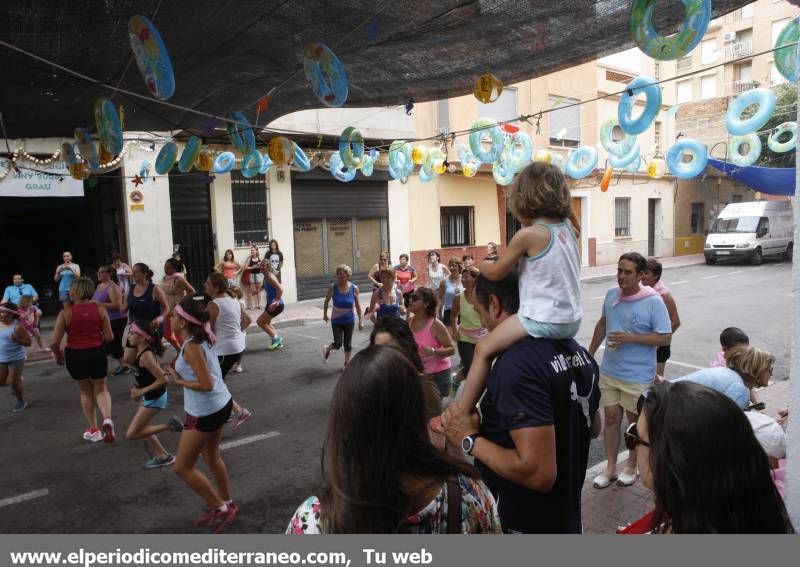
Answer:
(708, 51)
(504, 108)
(565, 122)
(684, 62)
(708, 86)
(684, 91)
(457, 226)
(249, 200)
(622, 216)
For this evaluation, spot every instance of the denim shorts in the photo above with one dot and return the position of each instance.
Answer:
(13, 364)
(537, 329)
(159, 403)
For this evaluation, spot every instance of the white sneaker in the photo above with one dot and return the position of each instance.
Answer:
(237, 368)
(94, 436)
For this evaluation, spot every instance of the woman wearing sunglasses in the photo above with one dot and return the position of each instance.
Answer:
(698, 454)
(434, 341)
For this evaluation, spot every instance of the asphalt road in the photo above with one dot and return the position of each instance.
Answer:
(72, 486)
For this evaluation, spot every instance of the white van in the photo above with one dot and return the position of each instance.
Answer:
(751, 231)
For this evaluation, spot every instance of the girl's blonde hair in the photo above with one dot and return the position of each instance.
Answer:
(751, 363)
(82, 288)
(234, 291)
(541, 190)
(344, 269)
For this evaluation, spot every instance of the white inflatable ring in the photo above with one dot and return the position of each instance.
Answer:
(788, 145)
(751, 156)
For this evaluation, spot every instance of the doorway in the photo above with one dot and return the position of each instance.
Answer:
(653, 217)
(192, 234)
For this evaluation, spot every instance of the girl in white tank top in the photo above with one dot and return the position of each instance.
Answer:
(546, 249)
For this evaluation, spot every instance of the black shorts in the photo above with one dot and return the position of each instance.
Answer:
(209, 423)
(86, 363)
(663, 353)
(274, 311)
(227, 361)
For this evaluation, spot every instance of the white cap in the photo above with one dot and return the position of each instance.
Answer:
(769, 434)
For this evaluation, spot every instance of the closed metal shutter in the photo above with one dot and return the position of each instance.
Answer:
(315, 196)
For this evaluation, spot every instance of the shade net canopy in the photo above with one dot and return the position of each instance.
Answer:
(226, 55)
(770, 180)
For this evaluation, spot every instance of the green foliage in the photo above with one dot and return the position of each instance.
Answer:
(785, 111)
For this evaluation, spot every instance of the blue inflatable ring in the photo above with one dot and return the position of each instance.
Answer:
(326, 75)
(665, 48)
(240, 133)
(400, 162)
(300, 159)
(351, 147)
(486, 126)
(251, 164)
(339, 170)
(620, 162)
(151, 57)
(652, 91)
(166, 158)
(503, 172)
(68, 154)
(434, 159)
(788, 145)
(424, 177)
(786, 57)
(681, 169)
(223, 164)
(266, 163)
(188, 155)
(581, 162)
(519, 150)
(108, 125)
(558, 161)
(369, 162)
(764, 98)
(751, 156)
(620, 148)
(87, 148)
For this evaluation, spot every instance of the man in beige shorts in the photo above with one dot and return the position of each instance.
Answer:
(634, 323)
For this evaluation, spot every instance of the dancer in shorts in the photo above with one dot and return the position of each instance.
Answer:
(274, 292)
(151, 388)
(13, 342)
(208, 404)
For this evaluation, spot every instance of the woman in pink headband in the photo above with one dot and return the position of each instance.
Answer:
(208, 404)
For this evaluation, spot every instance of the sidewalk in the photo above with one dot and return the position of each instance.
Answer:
(604, 511)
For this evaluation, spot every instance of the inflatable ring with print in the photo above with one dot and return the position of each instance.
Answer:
(339, 170)
(786, 57)
(351, 147)
(87, 148)
(166, 158)
(188, 155)
(619, 148)
(665, 48)
(223, 164)
(108, 125)
(734, 149)
(325, 73)
(151, 57)
(788, 145)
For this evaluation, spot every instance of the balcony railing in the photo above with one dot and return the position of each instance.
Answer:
(738, 49)
(738, 87)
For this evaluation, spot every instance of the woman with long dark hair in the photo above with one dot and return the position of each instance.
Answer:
(208, 404)
(436, 346)
(229, 267)
(145, 302)
(275, 257)
(697, 452)
(380, 472)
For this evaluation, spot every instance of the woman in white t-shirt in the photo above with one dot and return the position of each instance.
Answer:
(437, 272)
(229, 321)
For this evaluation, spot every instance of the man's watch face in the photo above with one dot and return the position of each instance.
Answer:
(467, 443)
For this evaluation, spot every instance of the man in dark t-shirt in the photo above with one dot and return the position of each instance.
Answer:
(539, 414)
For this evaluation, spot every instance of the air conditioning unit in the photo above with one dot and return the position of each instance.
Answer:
(730, 36)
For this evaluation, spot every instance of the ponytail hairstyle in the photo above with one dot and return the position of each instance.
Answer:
(196, 308)
(145, 269)
(111, 271)
(155, 332)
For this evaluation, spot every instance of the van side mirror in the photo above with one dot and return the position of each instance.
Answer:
(761, 232)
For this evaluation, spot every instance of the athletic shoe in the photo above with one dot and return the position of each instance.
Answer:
(175, 424)
(205, 519)
(164, 461)
(120, 370)
(237, 368)
(240, 417)
(220, 520)
(19, 406)
(277, 342)
(93, 435)
(108, 431)
(326, 352)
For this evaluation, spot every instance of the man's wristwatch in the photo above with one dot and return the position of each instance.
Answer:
(468, 443)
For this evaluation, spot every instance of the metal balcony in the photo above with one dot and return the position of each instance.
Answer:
(738, 49)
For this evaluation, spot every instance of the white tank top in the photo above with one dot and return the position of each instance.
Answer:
(550, 283)
(227, 327)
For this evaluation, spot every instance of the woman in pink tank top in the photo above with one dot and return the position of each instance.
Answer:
(434, 342)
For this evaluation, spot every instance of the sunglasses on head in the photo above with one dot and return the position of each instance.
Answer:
(632, 438)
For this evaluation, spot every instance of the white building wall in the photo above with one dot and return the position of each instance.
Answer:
(282, 229)
(399, 220)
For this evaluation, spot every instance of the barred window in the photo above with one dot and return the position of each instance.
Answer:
(249, 197)
(698, 218)
(457, 226)
(622, 216)
(565, 123)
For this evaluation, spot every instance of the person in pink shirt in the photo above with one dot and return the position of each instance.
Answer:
(434, 341)
(728, 339)
(652, 277)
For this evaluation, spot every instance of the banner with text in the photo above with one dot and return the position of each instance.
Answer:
(52, 180)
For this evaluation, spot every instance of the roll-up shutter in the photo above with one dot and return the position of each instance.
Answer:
(315, 196)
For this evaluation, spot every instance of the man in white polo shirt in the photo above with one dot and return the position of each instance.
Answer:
(634, 323)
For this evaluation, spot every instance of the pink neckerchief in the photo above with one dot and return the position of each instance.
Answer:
(643, 293)
(660, 288)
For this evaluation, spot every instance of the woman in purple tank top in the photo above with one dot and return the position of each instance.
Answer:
(108, 294)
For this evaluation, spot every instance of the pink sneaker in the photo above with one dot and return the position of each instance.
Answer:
(108, 431)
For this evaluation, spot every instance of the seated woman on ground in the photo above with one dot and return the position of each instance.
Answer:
(380, 472)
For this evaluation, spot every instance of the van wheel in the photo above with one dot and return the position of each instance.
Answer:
(757, 257)
(787, 255)
(711, 261)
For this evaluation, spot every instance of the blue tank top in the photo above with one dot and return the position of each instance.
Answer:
(9, 350)
(195, 402)
(66, 280)
(343, 304)
(271, 293)
(450, 292)
(143, 307)
(389, 310)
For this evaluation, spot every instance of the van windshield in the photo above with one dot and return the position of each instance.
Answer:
(735, 224)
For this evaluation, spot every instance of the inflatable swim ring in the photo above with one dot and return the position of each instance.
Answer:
(339, 170)
(240, 133)
(620, 162)
(764, 98)
(641, 84)
(486, 127)
(519, 150)
(299, 158)
(151, 57)
(351, 147)
(664, 48)
(188, 155)
(109, 129)
(166, 158)
(87, 148)
(788, 145)
(786, 57)
(326, 75)
(400, 163)
(734, 147)
(223, 164)
(620, 148)
(581, 162)
(682, 169)
(251, 164)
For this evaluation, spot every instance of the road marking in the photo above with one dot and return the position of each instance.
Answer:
(734, 273)
(248, 440)
(760, 268)
(301, 335)
(599, 297)
(709, 277)
(680, 282)
(24, 497)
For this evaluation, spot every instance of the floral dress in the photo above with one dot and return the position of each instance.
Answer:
(478, 513)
